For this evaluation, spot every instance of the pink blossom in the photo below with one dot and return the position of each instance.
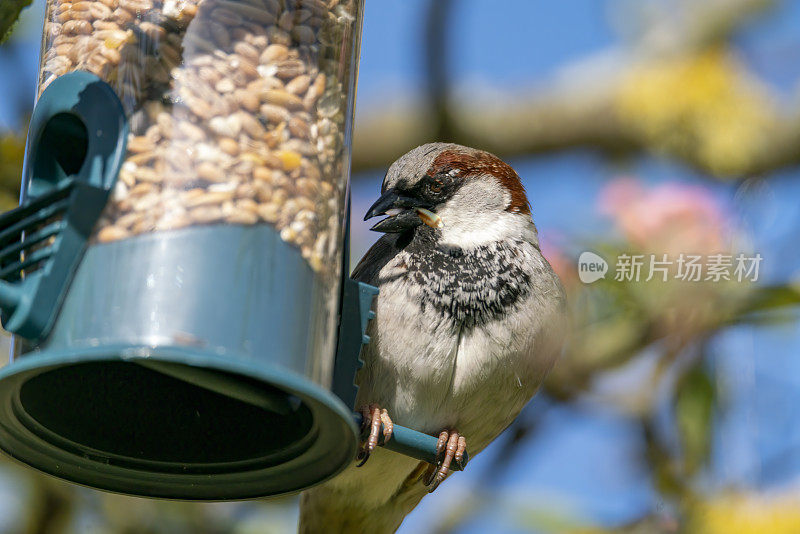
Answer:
(669, 218)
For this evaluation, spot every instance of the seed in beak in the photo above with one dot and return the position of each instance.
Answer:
(429, 218)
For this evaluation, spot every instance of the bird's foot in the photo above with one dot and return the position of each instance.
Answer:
(451, 446)
(372, 416)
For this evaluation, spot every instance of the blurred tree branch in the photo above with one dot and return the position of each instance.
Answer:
(436, 66)
(686, 95)
(685, 25)
(635, 114)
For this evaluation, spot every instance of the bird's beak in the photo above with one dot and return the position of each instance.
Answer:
(403, 213)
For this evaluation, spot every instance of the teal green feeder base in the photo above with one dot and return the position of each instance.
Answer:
(121, 397)
(178, 440)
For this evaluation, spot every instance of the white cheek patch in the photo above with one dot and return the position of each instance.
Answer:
(476, 215)
(481, 230)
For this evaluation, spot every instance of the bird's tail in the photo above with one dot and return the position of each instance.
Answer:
(330, 510)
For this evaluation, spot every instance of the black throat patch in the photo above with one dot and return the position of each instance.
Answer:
(469, 287)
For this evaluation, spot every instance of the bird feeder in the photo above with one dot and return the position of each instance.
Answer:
(183, 324)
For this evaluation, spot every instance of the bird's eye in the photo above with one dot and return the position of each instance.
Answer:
(436, 186)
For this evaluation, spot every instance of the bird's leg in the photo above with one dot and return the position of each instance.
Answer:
(372, 416)
(451, 446)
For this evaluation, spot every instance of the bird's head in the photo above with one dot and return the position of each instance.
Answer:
(469, 196)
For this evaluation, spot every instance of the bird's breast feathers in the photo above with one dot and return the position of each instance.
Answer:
(458, 333)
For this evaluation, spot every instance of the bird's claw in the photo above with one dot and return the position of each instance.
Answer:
(451, 446)
(372, 416)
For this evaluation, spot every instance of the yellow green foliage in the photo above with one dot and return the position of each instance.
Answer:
(9, 13)
(746, 514)
(702, 105)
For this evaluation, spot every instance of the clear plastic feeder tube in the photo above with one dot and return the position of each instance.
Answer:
(238, 110)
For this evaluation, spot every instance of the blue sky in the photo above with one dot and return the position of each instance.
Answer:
(580, 460)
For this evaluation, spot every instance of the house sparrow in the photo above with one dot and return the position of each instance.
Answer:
(469, 320)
